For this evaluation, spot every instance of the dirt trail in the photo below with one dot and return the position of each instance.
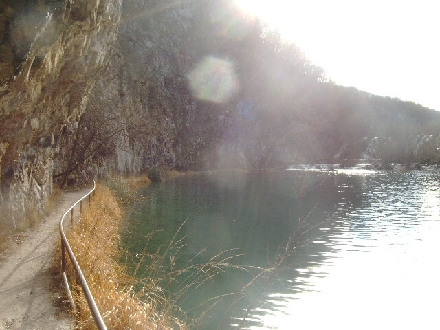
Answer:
(27, 297)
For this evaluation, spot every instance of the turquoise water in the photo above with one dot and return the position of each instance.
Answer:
(346, 249)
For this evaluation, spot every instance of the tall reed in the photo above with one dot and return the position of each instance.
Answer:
(140, 297)
(96, 243)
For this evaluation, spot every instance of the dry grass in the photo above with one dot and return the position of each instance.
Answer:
(137, 182)
(96, 243)
(174, 174)
(125, 188)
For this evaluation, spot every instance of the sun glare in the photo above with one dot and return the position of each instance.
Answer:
(311, 25)
(366, 44)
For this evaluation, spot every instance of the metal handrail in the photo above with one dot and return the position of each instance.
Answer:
(65, 246)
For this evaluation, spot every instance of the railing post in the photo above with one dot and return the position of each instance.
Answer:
(80, 207)
(71, 216)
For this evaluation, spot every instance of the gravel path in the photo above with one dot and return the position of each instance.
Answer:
(28, 299)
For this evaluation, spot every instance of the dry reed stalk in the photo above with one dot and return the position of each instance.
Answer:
(96, 243)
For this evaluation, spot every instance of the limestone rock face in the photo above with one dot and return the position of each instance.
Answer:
(170, 93)
(146, 83)
(50, 54)
(146, 87)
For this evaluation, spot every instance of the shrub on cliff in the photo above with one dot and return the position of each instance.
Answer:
(156, 174)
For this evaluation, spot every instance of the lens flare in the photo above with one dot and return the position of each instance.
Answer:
(214, 80)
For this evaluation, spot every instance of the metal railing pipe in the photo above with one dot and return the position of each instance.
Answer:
(65, 247)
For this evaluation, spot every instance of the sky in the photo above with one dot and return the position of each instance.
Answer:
(385, 47)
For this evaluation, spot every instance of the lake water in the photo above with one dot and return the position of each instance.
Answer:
(363, 250)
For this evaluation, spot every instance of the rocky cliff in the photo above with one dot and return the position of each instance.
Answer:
(186, 87)
(51, 53)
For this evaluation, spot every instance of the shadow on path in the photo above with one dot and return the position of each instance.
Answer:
(27, 299)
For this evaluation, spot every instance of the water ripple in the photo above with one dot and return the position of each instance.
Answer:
(380, 255)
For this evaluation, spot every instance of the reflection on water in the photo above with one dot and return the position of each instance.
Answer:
(370, 261)
(379, 268)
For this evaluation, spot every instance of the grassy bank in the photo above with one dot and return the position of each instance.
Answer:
(147, 293)
(96, 242)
